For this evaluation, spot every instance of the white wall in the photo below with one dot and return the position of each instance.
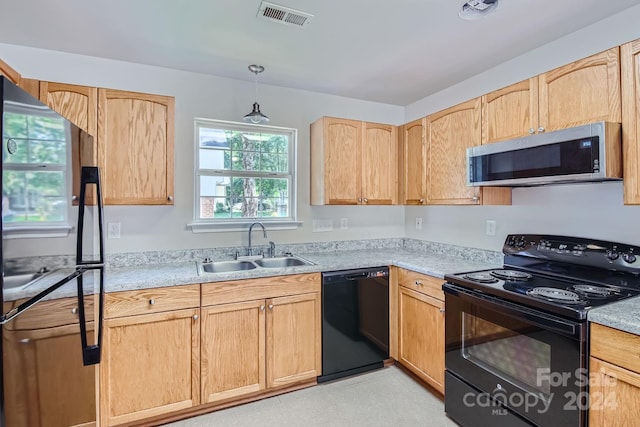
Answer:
(198, 95)
(586, 210)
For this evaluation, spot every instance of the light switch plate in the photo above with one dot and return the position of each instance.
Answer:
(418, 223)
(491, 227)
(344, 223)
(322, 225)
(113, 230)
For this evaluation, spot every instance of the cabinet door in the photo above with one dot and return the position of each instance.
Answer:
(421, 336)
(450, 132)
(80, 105)
(7, 71)
(136, 133)
(582, 92)
(150, 366)
(342, 180)
(414, 163)
(38, 365)
(233, 350)
(630, 57)
(379, 164)
(614, 395)
(293, 339)
(510, 112)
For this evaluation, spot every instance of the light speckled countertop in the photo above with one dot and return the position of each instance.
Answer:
(183, 273)
(623, 315)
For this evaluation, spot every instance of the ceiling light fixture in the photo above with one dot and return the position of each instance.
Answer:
(476, 9)
(255, 116)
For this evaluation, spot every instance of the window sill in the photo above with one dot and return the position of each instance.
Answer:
(36, 232)
(216, 227)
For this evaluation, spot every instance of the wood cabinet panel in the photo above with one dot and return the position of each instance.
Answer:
(293, 339)
(233, 350)
(614, 395)
(379, 164)
(421, 336)
(150, 365)
(585, 91)
(414, 162)
(135, 133)
(76, 103)
(8, 71)
(615, 346)
(153, 300)
(427, 285)
(450, 133)
(510, 112)
(630, 58)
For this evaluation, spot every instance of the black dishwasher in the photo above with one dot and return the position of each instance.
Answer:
(355, 321)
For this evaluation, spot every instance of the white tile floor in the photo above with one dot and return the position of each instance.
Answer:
(386, 397)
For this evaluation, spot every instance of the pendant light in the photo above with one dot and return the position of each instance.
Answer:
(255, 116)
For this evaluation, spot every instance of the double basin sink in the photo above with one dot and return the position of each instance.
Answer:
(242, 265)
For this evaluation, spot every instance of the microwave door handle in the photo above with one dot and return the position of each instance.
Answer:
(89, 175)
(91, 352)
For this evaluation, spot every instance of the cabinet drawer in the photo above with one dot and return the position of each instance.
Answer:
(427, 285)
(262, 288)
(615, 346)
(155, 300)
(49, 314)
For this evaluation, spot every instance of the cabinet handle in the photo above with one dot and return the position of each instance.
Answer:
(540, 129)
(359, 199)
(442, 310)
(170, 198)
(152, 301)
(262, 307)
(421, 200)
(195, 317)
(74, 310)
(532, 131)
(418, 283)
(475, 198)
(74, 197)
(366, 200)
(25, 341)
(270, 306)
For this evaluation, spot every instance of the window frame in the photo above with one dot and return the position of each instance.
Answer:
(26, 229)
(232, 224)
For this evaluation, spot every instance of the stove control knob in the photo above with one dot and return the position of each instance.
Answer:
(520, 244)
(612, 255)
(628, 257)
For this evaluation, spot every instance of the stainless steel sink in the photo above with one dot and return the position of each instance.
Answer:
(19, 280)
(226, 266)
(281, 262)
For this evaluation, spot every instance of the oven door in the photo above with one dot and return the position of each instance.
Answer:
(513, 359)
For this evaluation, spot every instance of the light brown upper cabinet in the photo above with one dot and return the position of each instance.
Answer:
(135, 147)
(353, 162)
(80, 105)
(8, 71)
(630, 58)
(413, 163)
(585, 91)
(449, 133)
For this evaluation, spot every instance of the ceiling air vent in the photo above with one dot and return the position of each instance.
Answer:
(476, 9)
(283, 15)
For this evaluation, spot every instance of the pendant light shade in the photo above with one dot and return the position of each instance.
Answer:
(256, 116)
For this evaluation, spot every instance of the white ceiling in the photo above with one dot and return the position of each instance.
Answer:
(394, 52)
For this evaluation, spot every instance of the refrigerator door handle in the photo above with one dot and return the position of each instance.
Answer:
(90, 352)
(89, 175)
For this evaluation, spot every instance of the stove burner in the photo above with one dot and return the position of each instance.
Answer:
(593, 291)
(481, 277)
(511, 275)
(553, 294)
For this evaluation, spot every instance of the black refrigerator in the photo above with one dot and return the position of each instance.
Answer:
(52, 266)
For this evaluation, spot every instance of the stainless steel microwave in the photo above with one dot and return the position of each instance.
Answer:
(591, 152)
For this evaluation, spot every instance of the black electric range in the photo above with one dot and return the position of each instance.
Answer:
(563, 275)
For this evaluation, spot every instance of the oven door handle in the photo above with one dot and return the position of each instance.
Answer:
(542, 320)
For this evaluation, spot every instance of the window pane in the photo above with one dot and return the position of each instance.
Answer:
(33, 196)
(233, 197)
(34, 139)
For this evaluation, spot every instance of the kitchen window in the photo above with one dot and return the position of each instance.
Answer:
(244, 173)
(35, 178)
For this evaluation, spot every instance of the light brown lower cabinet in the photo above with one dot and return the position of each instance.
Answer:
(39, 362)
(151, 358)
(249, 347)
(421, 326)
(614, 378)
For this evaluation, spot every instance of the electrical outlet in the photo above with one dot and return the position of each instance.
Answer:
(344, 223)
(322, 225)
(418, 223)
(491, 227)
(113, 230)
